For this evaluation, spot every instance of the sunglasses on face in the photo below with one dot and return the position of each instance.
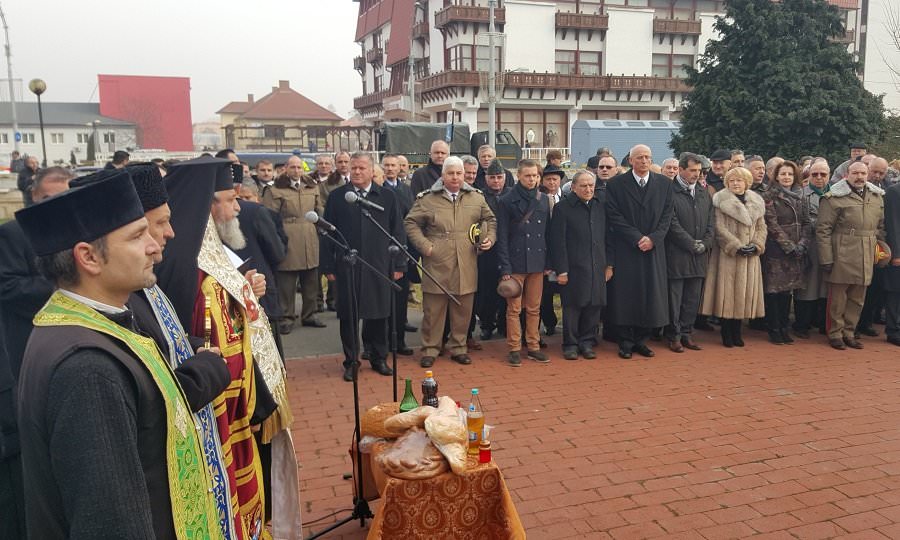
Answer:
(818, 174)
(604, 166)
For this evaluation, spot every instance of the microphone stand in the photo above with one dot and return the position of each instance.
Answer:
(361, 510)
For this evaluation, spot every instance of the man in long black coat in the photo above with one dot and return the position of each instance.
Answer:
(425, 177)
(265, 250)
(690, 238)
(372, 291)
(892, 272)
(22, 293)
(578, 255)
(490, 306)
(639, 210)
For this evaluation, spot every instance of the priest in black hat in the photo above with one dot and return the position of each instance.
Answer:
(101, 415)
(215, 300)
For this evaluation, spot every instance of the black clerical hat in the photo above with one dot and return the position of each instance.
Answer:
(237, 174)
(553, 169)
(224, 173)
(149, 185)
(81, 214)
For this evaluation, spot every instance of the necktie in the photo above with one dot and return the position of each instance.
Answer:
(643, 182)
(453, 197)
(361, 193)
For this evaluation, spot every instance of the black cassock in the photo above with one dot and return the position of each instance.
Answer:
(373, 292)
(639, 288)
(578, 247)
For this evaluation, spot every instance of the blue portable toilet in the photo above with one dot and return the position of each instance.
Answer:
(619, 136)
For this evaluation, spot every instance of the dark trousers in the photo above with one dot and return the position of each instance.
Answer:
(401, 299)
(684, 303)
(491, 307)
(892, 314)
(632, 336)
(809, 313)
(778, 309)
(12, 498)
(374, 338)
(580, 326)
(548, 314)
(874, 301)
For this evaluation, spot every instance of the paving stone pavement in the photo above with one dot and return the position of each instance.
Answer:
(797, 441)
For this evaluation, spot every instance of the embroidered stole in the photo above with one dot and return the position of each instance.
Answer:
(193, 508)
(179, 351)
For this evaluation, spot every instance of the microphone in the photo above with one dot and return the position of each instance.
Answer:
(351, 197)
(320, 223)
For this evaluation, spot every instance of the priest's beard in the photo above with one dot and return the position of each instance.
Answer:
(231, 234)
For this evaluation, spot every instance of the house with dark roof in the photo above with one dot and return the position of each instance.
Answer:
(282, 120)
(68, 129)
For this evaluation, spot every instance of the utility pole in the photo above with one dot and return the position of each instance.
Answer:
(492, 78)
(9, 73)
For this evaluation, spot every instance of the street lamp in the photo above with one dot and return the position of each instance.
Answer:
(38, 87)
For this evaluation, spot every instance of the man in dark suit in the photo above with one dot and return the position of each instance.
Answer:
(390, 163)
(22, 294)
(688, 242)
(892, 272)
(490, 306)
(425, 177)
(372, 291)
(639, 209)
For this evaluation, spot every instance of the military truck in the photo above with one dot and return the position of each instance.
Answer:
(413, 140)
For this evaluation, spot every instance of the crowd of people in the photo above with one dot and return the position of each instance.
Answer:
(171, 283)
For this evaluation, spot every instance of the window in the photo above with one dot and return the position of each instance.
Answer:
(671, 65)
(565, 62)
(83, 138)
(539, 128)
(661, 65)
(56, 138)
(273, 132)
(589, 63)
(109, 137)
(28, 138)
(461, 57)
(4, 138)
(680, 62)
(483, 53)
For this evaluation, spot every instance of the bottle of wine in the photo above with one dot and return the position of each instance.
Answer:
(409, 399)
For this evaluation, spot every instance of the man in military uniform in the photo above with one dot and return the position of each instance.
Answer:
(438, 225)
(851, 220)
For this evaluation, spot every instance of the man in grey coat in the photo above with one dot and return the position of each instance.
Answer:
(688, 242)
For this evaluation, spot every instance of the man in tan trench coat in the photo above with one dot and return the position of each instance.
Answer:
(851, 219)
(438, 226)
(293, 195)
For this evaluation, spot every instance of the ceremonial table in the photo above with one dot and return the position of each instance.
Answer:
(473, 506)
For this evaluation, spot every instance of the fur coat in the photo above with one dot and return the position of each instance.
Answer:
(734, 283)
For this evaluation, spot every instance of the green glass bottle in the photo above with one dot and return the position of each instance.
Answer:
(409, 399)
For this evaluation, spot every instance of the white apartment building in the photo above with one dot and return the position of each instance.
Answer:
(561, 61)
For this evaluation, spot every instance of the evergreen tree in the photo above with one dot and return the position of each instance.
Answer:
(775, 83)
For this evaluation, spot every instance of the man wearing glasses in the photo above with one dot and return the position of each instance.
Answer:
(606, 169)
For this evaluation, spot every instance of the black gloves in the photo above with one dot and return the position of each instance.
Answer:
(747, 250)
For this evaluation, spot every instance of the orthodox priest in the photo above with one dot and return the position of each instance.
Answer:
(639, 209)
(203, 375)
(215, 301)
(109, 444)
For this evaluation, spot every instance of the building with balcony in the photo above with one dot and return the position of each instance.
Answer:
(282, 120)
(559, 61)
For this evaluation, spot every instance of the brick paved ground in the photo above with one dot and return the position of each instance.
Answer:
(781, 441)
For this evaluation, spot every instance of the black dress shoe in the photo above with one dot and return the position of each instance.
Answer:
(676, 346)
(426, 361)
(410, 328)
(381, 368)
(623, 354)
(644, 351)
(689, 344)
(286, 327)
(704, 325)
(550, 331)
(348, 374)
(893, 340)
(330, 307)
(869, 331)
(588, 354)
(403, 350)
(461, 359)
(570, 354)
(853, 343)
(314, 322)
(486, 334)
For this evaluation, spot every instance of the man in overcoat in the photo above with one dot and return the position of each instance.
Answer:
(391, 165)
(892, 272)
(293, 195)
(578, 255)
(438, 226)
(851, 220)
(639, 210)
(372, 291)
(490, 306)
(688, 242)
(523, 220)
(425, 177)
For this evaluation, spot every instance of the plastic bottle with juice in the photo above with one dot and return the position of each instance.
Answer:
(475, 422)
(429, 390)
